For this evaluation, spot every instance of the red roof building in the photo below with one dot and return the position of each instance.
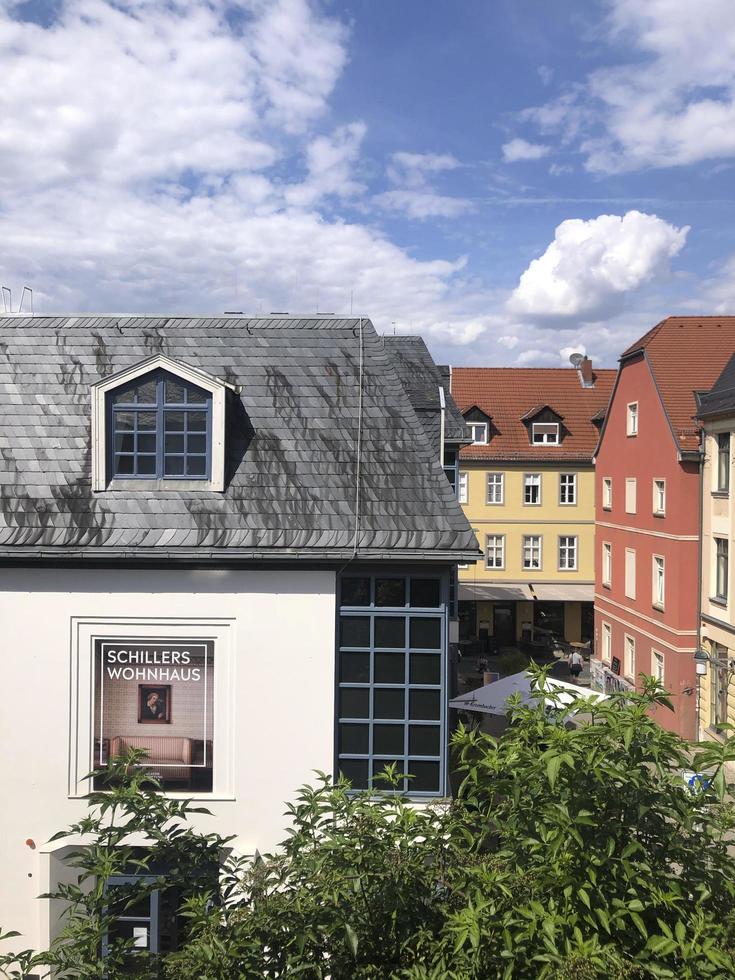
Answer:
(648, 511)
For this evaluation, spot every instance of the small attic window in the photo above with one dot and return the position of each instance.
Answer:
(545, 433)
(478, 431)
(161, 428)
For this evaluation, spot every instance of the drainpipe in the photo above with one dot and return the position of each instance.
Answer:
(443, 412)
(698, 705)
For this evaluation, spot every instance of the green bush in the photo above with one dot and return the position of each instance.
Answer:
(569, 853)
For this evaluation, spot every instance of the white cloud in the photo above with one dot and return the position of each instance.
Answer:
(520, 149)
(592, 265)
(330, 162)
(413, 194)
(673, 106)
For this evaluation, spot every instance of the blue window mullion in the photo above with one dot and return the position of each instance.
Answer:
(160, 426)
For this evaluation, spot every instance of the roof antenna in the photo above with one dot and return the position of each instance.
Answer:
(351, 292)
(7, 297)
(27, 291)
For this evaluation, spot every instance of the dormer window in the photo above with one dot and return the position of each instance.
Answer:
(545, 433)
(478, 431)
(159, 424)
(161, 428)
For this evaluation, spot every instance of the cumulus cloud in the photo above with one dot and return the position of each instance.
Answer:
(591, 266)
(330, 163)
(674, 106)
(520, 149)
(413, 194)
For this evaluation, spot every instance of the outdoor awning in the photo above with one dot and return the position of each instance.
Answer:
(471, 592)
(492, 698)
(579, 592)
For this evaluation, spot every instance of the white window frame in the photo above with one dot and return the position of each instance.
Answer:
(527, 485)
(498, 549)
(718, 596)
(607, 492)
(659, 496)
(571, 500)
(658, 581)
(630, 573)
(102, 480)
(658, 666)
(473, 426)
(632, 419)
(723, 478)
(631, 495)
(463, 489)
(629, 656)
(606, 643)
(567, 550)
(538, 538)
(498, 480)
(607, 564)
(549, 431)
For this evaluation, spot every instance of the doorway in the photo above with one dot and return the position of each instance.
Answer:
(504, 631)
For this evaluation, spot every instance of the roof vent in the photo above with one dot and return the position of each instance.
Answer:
(26, 300)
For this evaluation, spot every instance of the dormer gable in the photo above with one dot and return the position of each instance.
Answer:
(544, 425)
(479, 424)
(159, 423)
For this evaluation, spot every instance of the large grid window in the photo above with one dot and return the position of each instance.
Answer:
(567, 553)
(391, 680)
(495, 550)
(160, 427)
(567, 488)
(532, 551)
(495, 488)
(532, 488)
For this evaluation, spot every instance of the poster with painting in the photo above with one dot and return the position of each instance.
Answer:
(156, 696)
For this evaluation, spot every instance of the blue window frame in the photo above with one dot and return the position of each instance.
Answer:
(160, 427)
(391, 680)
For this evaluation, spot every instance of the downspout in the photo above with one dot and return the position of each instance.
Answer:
(442, 414)
(698, 703)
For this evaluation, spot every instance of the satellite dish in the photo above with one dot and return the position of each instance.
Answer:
(576, 359)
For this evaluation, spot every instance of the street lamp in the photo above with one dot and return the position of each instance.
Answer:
(701, 659)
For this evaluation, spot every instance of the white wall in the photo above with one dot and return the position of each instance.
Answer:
(275, 707)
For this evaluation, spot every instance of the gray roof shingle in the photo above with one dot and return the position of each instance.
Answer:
(291, 445)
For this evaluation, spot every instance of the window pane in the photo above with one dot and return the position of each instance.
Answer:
(196, 465)
(355, 592)
(389, 703)
(124, 443)
(423, 739)
(124, 421)
(196, 421)
(354, 667)
(174, 421)
(146, 392)
(354, 702)
(388, 739)
(124, 465)
(426, 633)
(424, 705)
(147, 465)
(390, 632)
(174, 444)
(354, 739)
(390, 592)
(196, 444)
(173, 466)
(124, 396)
(196, 395)
(147, 443)
(426, 777)
(355, 631)
(425, 592)
(390, 668)
(175, 392)
(356, 770)
(146, 420)
(425, 668)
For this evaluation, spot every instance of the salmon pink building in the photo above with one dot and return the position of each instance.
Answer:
(647, 477)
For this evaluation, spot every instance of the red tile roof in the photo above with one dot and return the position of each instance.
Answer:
(508, 394)
(686, 354)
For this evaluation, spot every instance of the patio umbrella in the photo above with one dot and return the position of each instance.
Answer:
(492, 698)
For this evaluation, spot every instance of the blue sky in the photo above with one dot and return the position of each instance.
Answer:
(514, 180)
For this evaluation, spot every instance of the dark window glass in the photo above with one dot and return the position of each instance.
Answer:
(174, 466)
(146, 420)
(425, 593)
(197, 421)
(426, 633)
(425, 668)
(124, 464)
(146, 392)
(389, 703)
(196, 444)
(355, 739)
(390, 668)
(390, 592)
(355, 667)
(175, 392)
(354, 702)
(423, 739)
(390, 632)
(147, 443)
(175, 422)
(354, 631)
(125, 443)
(424, 705)
(356, 770)
(196, 466)
(146, 465)
(124, 421)
(388, 739)
(174, 444)
(355, 592)
(426, 776)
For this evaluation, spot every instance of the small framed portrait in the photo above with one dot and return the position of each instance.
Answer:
(154, 704)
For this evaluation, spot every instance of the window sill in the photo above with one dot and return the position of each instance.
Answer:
(562, 570)
(607, 585)
(659, 513)
(606, 509)
(721, 494)
(158, 485)
(718, 601)
(714, 733)
(658, 606)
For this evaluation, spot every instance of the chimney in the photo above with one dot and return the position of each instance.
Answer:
(585, 373)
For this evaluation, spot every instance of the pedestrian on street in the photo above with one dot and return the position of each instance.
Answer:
(576, 663)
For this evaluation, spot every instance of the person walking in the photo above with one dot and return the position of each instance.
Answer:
(576, 663)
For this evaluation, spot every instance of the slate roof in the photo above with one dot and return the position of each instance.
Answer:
(508, 395)
(720, 400)
(291, 446)
(686, 355)
(421, 379)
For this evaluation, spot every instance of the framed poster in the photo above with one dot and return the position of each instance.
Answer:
(615, 665)
(154, 704)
